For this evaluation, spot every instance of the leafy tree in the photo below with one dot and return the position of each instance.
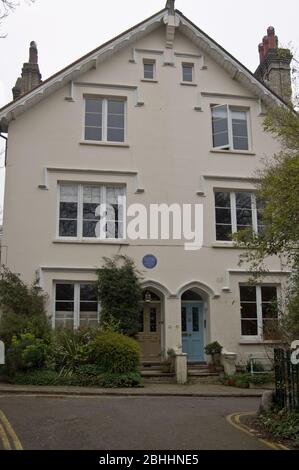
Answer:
(278, 189)
(120, 293)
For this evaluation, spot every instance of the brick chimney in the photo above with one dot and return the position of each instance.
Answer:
(31, 76)
(275, 66)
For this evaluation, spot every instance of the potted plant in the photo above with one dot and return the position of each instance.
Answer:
(214, 350)
(171, 356)
(166, 366)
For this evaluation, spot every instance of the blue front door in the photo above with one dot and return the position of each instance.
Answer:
(192, 331)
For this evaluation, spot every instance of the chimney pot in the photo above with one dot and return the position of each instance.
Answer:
(266, 44)
(271, 30)
(271, 37)
(33, 54)
(262, 52)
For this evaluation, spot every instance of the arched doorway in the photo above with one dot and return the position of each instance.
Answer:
(149, 336)
(193, 324)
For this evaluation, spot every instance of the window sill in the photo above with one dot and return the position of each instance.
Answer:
(258, 341)
(149, 80)
(188, 84)
(233, 152)
(90, 242)
(224, 245)
(104, 144)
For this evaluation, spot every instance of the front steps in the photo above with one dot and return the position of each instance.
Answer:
(151, 373)
(200, 373)
(197, 373)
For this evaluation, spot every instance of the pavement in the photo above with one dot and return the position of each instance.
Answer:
(40, 422)
(159, 390)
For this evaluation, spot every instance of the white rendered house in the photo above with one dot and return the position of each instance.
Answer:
(161, 114)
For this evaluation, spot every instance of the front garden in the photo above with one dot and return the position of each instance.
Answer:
(106, 355)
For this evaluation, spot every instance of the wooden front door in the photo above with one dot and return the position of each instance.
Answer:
(149, 336)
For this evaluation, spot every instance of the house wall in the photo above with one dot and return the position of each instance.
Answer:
(169, 146)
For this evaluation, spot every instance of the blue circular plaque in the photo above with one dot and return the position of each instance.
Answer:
(149, 261)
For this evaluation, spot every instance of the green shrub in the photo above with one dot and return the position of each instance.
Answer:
(91, 370)
(114, 353)
(25, 352)
(48, 377)
(283, 425)
(92, 375)
(89, 375)
(260, 379)
(129, 380)
(69, 349)
(240, 380)
(42, 377)
(22, 308)
(213, 348)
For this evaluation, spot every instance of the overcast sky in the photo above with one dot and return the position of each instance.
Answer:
(66, 29)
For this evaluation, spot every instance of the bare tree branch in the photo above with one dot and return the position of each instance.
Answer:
(7, 7)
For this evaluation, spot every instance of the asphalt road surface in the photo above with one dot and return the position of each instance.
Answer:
(127, 423)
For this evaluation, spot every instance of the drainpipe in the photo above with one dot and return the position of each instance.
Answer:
(5, 138)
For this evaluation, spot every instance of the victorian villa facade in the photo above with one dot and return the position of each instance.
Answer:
(161, 114)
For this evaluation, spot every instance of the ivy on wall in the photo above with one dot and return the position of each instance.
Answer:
(120, 293)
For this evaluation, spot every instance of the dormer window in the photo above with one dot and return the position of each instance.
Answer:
(149, 69)
(230, 128)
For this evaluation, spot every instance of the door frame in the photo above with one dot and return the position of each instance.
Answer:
(205, 326)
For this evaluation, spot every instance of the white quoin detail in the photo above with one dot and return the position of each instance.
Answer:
(2, 353)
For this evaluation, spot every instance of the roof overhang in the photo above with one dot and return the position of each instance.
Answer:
(73, 71)
(179, 22)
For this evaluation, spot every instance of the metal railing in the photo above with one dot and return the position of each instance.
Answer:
(286, 381)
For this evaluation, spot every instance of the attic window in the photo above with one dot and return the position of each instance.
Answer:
(148, 69)
(187, 70)
(230, 128)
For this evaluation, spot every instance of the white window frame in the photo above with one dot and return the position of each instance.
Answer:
(76, 285)
(190, 65)
(233, 211)
(149, 62)
(105, 100)
(258, 290)
(80, 209)
(230, 146)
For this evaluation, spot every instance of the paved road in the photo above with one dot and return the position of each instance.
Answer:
(119, 423)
